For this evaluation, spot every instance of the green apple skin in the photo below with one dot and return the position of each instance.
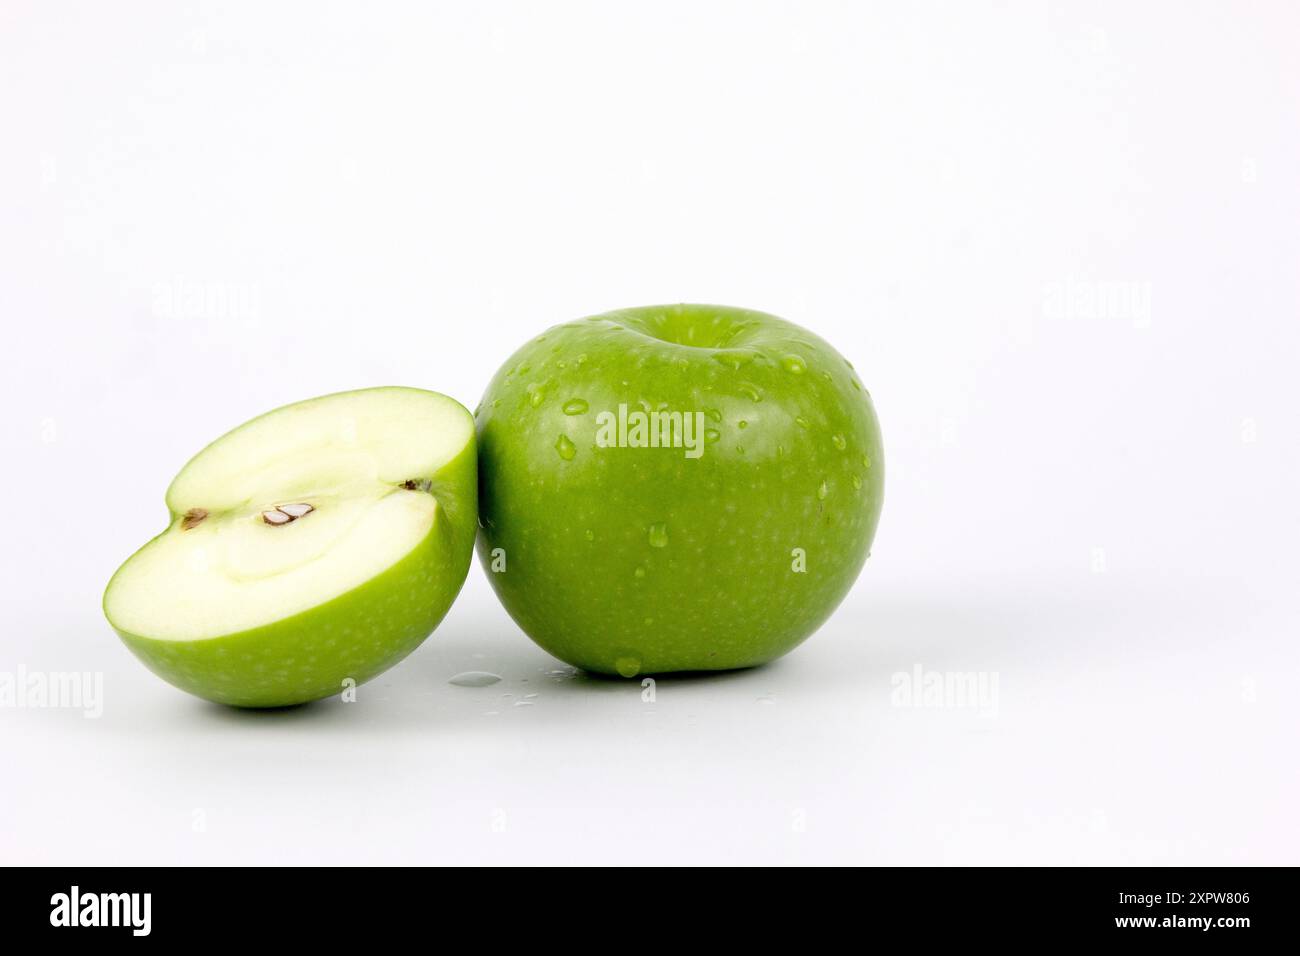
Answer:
(635, 560)
(355, 636)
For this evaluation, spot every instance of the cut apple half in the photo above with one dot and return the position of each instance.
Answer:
(317, 544)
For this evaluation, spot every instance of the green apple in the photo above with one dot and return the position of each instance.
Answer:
(317, 544)
(673, 488)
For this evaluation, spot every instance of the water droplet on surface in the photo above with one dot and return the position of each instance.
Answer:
(801, 421)
(628, 666)
(857, 482)
(742, 424)
(714, 414)
(659, 535)
(866, 462)
(524, 703)
(475, 679)
(535, 395)
(589, 535)
(794, 364)
(733, 359)
(711, 435)
(639, 572)
(839, 442)
(751, 392)
(575, 406)
(566, 448)
(822, 491)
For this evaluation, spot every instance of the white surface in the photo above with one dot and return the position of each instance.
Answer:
(210, 211)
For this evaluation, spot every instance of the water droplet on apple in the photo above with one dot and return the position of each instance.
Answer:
(823, 490)
(734, 359)
(714, 414)
(751, 392)
(536, 393)
(794, 364)
(866, 462)
(639, 572)
(589, 535)
(566, 448)
(711, 435)
(575, 406)
(857, 482)
(742, 424)
(628, 665)
(659, 535)
(839, 442)
(475, 679)
(801, 421)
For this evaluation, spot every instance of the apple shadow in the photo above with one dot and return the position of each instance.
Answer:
(292, 713)
(872, 635)
(585, 677)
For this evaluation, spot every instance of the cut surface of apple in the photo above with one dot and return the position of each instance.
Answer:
(317, 543)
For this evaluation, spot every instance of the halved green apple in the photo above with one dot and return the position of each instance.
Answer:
(317, 544)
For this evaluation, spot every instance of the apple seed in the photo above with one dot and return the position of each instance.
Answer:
(276, 518)
(296, 510)
(193, 518)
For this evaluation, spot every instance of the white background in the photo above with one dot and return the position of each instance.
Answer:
(1061, 243)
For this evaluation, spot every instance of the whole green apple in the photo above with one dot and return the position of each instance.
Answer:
(316, 545)
(675, 488)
